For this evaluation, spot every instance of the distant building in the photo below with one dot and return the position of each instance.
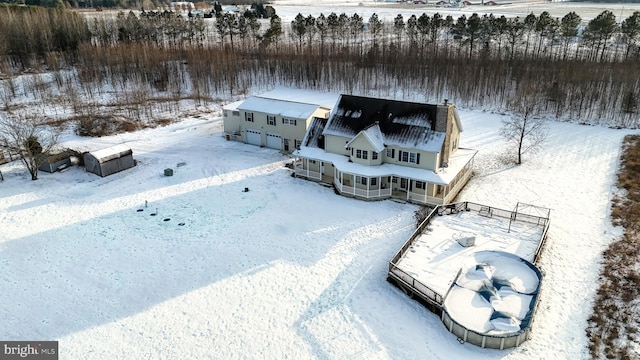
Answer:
(182, 5)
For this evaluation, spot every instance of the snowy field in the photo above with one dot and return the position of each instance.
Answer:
(286, 270)
(387, 11)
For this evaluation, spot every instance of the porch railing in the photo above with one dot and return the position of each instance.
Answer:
(424, 199)
(315, 175)
(367, 194)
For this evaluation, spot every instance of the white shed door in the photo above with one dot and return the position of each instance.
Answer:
(253, 137)
(274, 141)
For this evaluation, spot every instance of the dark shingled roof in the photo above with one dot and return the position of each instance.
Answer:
(401, 123)
(314, 132)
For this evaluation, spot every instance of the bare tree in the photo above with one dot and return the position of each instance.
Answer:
(28, 138)
(526, 131)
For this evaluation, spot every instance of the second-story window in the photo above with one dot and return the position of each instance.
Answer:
(362, 154)
(391, 153)
(409, 157)
(248, 116)
(374, 155)
(271, 120)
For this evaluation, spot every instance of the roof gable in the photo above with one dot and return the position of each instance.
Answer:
(400, 123)
(373, 135)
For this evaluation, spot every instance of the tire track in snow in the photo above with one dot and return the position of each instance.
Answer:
(351, 260)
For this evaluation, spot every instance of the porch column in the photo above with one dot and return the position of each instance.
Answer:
(408, 187)
(353, 183)
(426, 193)
(445, 193)
(368, 187)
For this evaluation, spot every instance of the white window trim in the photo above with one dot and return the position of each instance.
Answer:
(411, 157)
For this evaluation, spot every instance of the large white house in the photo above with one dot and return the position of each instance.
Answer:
(278, 119)
(372, 148)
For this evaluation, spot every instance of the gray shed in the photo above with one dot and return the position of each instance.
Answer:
(59, 161)
(109, 161)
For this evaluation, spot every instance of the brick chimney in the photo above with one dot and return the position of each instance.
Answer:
(442, 113)
(444, 118)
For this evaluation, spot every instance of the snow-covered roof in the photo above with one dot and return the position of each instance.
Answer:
(402, 124)
(373, 135)
(341, 162)
(112, 152)
(321, 98)
(283, 108)
(233, 105)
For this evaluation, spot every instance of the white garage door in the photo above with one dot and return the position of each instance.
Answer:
(253, 137)
(274, 141)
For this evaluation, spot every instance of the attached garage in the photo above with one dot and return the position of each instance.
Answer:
(254, 137)
(109, 161)
(274, 141)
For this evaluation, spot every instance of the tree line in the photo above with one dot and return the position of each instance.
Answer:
(579, 70)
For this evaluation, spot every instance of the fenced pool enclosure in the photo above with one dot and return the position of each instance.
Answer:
(474, 266)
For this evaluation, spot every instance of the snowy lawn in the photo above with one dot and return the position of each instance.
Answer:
(285, 270)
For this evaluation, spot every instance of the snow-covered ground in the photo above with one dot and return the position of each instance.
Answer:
(288, 269)
(387, 11)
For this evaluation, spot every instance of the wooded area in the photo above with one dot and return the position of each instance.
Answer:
(480, 61)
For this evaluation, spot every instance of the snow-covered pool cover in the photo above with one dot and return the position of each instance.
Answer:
(494, 293)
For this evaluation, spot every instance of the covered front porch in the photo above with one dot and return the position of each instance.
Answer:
(419, 186)
(385, 187)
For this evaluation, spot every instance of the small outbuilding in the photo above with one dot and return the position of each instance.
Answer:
(59, 161)
(109, 161)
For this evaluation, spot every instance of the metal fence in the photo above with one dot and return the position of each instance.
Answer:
(484, 340)
(414, 287)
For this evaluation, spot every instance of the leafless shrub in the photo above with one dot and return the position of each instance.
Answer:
(421, 214)
(104, 125)
(610, 327)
